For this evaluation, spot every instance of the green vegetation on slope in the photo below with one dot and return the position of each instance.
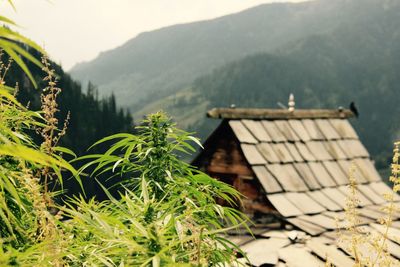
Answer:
(91, 118)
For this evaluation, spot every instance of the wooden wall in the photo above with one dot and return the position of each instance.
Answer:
(223, 159)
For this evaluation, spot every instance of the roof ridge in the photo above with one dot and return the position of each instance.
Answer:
(272, 114)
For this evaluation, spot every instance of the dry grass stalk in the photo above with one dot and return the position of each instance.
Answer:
(370, 248)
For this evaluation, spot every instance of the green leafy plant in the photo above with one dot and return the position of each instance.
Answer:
(168, 212)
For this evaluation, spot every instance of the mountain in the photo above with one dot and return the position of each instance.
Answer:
(156, 64)
(328, 53)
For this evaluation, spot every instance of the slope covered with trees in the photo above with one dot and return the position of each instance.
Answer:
(90, 117)
(158, 63)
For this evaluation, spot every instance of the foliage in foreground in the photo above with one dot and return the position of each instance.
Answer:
(166, 214)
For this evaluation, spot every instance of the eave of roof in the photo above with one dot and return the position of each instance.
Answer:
(271, 114)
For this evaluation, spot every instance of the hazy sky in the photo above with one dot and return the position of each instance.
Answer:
(77, 30)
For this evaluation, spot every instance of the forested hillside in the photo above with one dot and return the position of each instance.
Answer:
(91, 117)
(158, 63)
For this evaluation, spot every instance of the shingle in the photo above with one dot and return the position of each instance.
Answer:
(367, 170)
(346, 168)
(371, 194)
(252, 155)
(336, 172)
(287, 177)
(304, 151)
(308, 175)
(285, 128)
(282, 152)
(353, 148)
(363, 201)
(283, 205)
(319, 151)
(273, 131)
(304, 203)
(320, 220)
(337, 196)
(325, 201)
(327, 129)
(258, 130)
(268, 152)
(267, 180)
(241, 132)
(344, 128)
(334, 150)
(322, 175)
(382, 188)
(294, 152)
(296, 257)
(310, 228)
(312, 129)
(299, 129)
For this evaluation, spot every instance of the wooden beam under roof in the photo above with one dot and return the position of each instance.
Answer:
(271, 114)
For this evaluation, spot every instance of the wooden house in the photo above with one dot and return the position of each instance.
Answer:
(292, 166)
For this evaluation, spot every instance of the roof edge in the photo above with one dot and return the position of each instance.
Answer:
(258, 113)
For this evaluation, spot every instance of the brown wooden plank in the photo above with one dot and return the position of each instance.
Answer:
(325, 201)
(367, 170)
(241, 132)
(264, 250)
(307, 174)
(306, 204)
(287, 131)
(282, 152)
(327, 129)
(298, 257)
(336, 172)
(381, 188)
(294, 152)
(337, 196)
(257, 129)
(273, 131)
(346, 166)
(363, 200)
(252, 155)
(322, 175)
(304, 151)
(287, 177)
(371, 194)
(299, 129)
(268, 152)
(267, 180)
(344, 128)
(261, 113)
(334, 150)
(321, 220)
(319, 151)
(307, 227)
(283, 205)
(330, 253)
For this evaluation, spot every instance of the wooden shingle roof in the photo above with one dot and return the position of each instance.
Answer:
(302, 160)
